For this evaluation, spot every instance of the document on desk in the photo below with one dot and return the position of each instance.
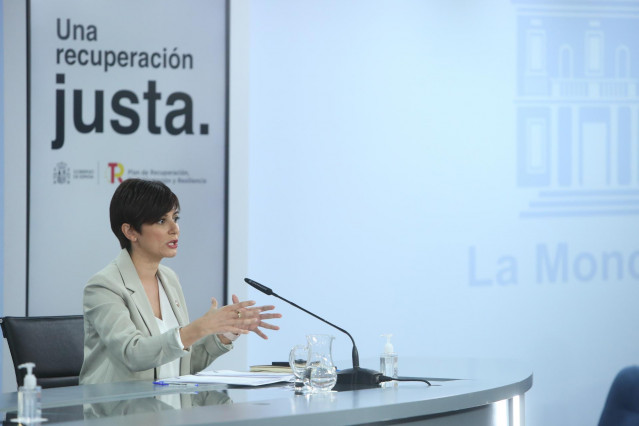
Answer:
(230, 377)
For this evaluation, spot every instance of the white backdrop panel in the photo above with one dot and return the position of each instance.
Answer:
(463, 175)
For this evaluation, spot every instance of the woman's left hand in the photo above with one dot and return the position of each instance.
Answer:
(255, 327)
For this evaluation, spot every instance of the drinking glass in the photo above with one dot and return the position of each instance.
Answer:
(297, 359)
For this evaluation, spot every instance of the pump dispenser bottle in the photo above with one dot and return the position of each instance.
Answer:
(29, 405)
(388, 359)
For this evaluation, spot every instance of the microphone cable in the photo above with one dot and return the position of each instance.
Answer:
(383, 379)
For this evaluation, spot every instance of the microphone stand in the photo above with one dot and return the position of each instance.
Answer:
(350, 378)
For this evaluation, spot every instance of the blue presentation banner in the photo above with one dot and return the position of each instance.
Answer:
(462, 175)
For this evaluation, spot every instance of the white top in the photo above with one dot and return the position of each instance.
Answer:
(168, 323)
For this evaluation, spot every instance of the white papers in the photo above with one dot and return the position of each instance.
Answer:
(230, 377)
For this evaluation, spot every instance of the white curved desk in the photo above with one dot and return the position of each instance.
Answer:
(483, 392)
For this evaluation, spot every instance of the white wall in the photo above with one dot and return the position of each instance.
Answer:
(384, 190)
(14, 172)
(238, 166)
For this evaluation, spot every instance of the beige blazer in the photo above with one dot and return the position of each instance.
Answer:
(121, 337)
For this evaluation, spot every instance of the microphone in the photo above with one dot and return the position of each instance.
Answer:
(351, 378)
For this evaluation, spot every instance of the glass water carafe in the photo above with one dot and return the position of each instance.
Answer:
(320, 370)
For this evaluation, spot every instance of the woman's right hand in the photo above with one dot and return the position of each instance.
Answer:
(234, 318)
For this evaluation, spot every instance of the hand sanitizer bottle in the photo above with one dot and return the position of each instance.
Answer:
(388, 359)
(29, 404)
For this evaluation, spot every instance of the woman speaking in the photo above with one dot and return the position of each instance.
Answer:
(136, 325)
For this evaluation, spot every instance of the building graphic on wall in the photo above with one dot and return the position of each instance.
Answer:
(577, 106)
